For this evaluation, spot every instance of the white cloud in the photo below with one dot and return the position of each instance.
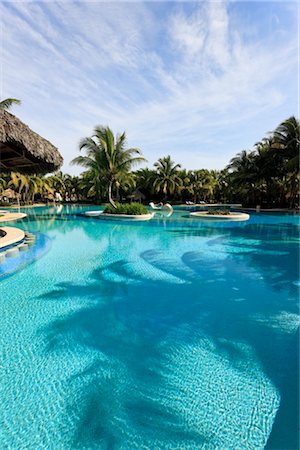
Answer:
(178, 78)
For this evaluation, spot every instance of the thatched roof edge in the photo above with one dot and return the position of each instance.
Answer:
(14, 132)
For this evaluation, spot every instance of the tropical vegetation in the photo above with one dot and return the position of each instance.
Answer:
(8, 103)
(126, 208)
(267, 174)
(108, 162)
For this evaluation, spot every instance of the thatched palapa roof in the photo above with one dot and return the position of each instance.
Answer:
(23, 150)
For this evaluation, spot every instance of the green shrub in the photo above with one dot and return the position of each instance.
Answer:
(218, 212)
(126, 208)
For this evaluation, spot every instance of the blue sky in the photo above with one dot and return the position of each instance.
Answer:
(197, 80)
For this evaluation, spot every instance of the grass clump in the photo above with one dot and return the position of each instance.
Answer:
(218, 212)
(126, 208)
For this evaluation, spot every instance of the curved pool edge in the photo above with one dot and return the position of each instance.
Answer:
(127, 217)
(12, 236)
(232, 216)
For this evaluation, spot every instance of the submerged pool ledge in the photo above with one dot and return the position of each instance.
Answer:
(12, 236)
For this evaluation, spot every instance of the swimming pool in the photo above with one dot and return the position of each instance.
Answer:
(170, 334)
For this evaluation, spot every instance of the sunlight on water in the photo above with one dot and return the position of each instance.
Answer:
(170, 334)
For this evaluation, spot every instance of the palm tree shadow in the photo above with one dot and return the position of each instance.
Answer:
(121, 341)
(125, 325)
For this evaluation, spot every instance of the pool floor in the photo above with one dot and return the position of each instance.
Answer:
(171, 334)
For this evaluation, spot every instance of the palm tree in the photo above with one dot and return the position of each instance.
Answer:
(184, 190)
(245, 175)
(144, 180)
(39, 185)
(167, 179)
(74, 187)
(223, 190)
(8, 103)
(58, 182)
(286, 144)
(202, 184)
(107, 158)
(92, 186)
(287, 138)
(19, 182)
(3, 184)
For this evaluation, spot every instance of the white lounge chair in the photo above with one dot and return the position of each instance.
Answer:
(153, 206)
(168, 206)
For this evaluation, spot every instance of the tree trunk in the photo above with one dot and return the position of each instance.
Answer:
(110, 199)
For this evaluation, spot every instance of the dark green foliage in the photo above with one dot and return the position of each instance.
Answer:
(7, 103)
(267, 175)
(218, 212)
(127, 208)
(108, 162)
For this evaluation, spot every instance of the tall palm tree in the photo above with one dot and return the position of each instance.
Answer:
(74, 187)
(167, 179)
(144, 180)
(3, 184)
(7, 103)
(223, 190)
(245, 175)
(58, 182)
(108, 158)
(92, 186)
(286, 140)
(202, 184)
(19, 183)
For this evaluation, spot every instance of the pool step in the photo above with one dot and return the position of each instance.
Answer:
(29, 242)
(12, 252)
(23, 246)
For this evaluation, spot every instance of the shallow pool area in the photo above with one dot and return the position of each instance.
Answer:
(168, 334)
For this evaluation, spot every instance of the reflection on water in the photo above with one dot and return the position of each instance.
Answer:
(167, 334)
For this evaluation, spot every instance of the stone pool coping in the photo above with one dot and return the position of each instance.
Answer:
(9, 217)
(130, 217)
(93, 213)
(12, 236)
(232, 216)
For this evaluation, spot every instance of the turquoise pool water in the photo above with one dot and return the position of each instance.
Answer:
(171, 334)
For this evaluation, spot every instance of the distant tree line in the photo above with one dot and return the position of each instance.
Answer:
(267, 175)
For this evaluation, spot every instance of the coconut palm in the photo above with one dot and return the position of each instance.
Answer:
(287, 138)
(145, 178)
(58, 182)
(223, 190)
(286, 144)
(74, 187)
(245, 175)
(8, 103)
(18, 182)
(3, 184)
(107, 158)
(92, 186)
(167, 179)
(202, 184)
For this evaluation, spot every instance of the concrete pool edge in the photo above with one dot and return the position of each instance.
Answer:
(235, 216)
(10, 217)
(127, 217)
(12, 236)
